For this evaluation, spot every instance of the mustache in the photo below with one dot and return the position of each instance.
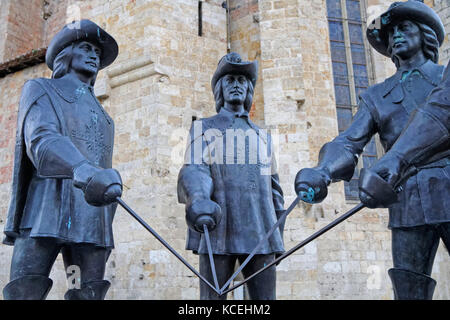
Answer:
(399, 40)
(92, 63)
(236, 90)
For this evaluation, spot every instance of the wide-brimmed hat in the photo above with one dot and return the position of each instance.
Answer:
(83, 30)
(377, 31)
(233, 64)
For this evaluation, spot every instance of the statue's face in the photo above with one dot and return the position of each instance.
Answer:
(85, 58)
(405, 39)
(234, 88)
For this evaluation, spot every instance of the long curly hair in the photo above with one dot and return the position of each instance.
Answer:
(218, 95)
(430, 44)
(61, 65)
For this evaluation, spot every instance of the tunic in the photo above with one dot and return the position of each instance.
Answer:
(385, 108)
(245, 186)
(61, 127)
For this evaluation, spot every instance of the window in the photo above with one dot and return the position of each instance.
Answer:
(350, 72)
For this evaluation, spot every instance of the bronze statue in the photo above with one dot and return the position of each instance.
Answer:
(229, 187)
(410, 33)
(63, 185)
(426, 139)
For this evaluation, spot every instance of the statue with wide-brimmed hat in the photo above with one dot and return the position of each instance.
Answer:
(230, 189)
(64, 187)
(416, 11)
(410, 33)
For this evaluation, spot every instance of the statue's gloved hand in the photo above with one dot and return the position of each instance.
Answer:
(203, 212)
(312, 184)
(389, 168)
(100, 186)
(367, 200)
(374, 191)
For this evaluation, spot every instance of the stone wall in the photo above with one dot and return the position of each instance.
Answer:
(4, 11)
(22, 17)
(442, 7)
(28, 25)
(245, 39)
(159, 82)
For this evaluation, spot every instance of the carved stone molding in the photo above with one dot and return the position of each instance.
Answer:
(126, 72)
(134, 70)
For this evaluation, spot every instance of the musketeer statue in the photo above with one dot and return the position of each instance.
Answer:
(410, 33)
(229, 184)
(64, 188)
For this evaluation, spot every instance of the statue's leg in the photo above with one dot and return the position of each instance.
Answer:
(263, 286)
(413, 253)
(224, 268)
(31, 264)
(92, 262)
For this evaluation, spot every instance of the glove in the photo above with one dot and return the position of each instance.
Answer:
(203, 212)
(312, 184)
(100, 186)
(389, 168)
(374, 191)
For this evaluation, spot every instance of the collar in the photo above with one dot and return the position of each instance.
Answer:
(429, 71)
(225, 119)
(228, 114)
(70, 88)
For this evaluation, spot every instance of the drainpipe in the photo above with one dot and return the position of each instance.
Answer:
(226, 6)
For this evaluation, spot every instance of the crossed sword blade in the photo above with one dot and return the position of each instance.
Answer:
(306, 196)
(314, 236)
(172, 250)
(224, 290)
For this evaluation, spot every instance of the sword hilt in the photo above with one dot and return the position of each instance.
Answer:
(307, 193)
(205, 220)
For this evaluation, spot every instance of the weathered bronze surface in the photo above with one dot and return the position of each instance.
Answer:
(410, 33)
(63, 185)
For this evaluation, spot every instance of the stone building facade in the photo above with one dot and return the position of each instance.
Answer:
(160, 82)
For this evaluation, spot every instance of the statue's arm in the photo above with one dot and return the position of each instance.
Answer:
(440, 113)
(194, 179)
(339, 157)
(194, 183)
(278, 200)
(277, 195)
(424, 140)
(425, 137)
(195, 189)
(52, 154)
(55, 156)
(437, 105)
(277, 191)
(427, 133)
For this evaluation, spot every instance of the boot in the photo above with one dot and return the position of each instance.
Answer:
(94, 290)
(28, 288)
(409, 285)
